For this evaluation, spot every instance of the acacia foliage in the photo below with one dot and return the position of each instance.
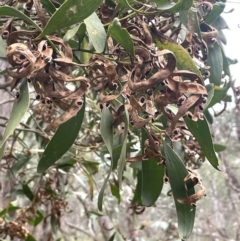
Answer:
(108, 77)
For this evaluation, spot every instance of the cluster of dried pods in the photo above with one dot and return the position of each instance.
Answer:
(150, 81)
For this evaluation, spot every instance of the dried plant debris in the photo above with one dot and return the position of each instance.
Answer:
(154, 82)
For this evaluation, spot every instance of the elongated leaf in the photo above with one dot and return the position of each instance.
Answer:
(107, 135)
(96, 32)
(121, 35)
(48, 6)
(215, 56)
(122, 159)
(30, 238)
(69, 13)
(201, 132)
(9, 11)
(184, 60)
(27, 192)
(115, 192)
(220, 23)
(226, 68)
(180, 5)
(71, 32)
(177, 172)
(208, 116)
(61, 141)
(210, 90)
(219, 94)
(215, 13)
(19, 109)
(152, 178)
(219, 147)
(2, 48)
(138, 190)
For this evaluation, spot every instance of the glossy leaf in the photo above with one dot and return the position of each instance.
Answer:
(122, 159)
(218, 8)
(215, 56)
(10, 11)
(96, 32)
(19, 109)
(219, 94)
(177, 172)
(107, 135)
(27, 192)
(201, 132)
(219, 147)
(152, 178)
(69, 13)
(61, 141)
(121, 36)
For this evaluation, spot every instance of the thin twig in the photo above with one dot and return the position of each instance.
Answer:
(81, 230)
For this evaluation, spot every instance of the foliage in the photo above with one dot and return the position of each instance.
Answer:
(125, 78)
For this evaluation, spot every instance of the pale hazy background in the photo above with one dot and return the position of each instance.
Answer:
(233, 36)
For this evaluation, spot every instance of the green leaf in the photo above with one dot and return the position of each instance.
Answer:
(10, 208)
(208, 116)
(215, 56)
(138, 190)
(2, 48)
(152, 178)
(220, 23)
(190, 19)
(61, 141)
(226, 68)
(71, 32)
(115, 192)
(112, 237)
(184, 60)
(222, 37)
(96, 32)
(107, 135)
(81, 32)
(9, 11)
(173, 8)
(27, 192)
(122, 159)
(30, 238)
(69, 13)
(201, 132)
(48, 6)
(19, 109)
(121, 36)
(177, 172)
(215, 13)
(219, 94)
(22, 160)
(219, 147)
(210, 90)
(37, 219)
